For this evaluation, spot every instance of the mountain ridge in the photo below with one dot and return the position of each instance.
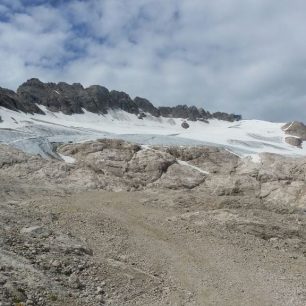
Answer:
(73, 98)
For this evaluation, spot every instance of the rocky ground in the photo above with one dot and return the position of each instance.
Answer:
(121, 224)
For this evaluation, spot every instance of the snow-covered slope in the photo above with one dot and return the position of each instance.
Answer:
(35, 133)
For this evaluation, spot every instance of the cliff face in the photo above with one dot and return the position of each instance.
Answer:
(9, 99)
(72, 99)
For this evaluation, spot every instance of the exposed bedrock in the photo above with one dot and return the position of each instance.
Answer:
(74, 99)
(276, 181)
(122, 224)
(295, 128)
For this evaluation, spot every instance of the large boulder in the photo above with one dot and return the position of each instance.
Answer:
(180, 176)
(294, 141)
(185, 125)
(295, 128)
(147, 166)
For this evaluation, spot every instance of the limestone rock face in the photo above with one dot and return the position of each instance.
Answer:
(147, 166)
(121, 215)
(10, 156)
(211, 159)
(178, 177)
(115, 165)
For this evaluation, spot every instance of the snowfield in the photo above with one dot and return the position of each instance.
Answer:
(36, 133)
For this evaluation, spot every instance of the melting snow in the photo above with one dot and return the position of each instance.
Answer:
(244, 138)
(289, 126)
(183, 163)
(67, 159)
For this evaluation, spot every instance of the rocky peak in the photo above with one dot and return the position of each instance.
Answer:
(74, 99)
(122, 100)
(9, 99)
(101, 96)
(226, 116)
(146, 106)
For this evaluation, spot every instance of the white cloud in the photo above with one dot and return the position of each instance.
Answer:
(236, 56)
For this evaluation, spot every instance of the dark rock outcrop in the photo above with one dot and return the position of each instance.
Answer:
(193, 113)
(69, 99)
(146, 106)
(185, 125)
(122, 100)
(295, 128)
(74, 99)
(9, 99)
(183, 111)
(294, 141)
(141, 116)
(101, 97)
(226, 116)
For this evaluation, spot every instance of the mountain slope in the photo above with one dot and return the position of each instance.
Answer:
(41, 114)
(33, 133)
(74, 99)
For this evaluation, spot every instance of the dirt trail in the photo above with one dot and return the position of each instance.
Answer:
(162, 250)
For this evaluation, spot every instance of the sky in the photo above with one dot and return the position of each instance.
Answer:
(238, 56)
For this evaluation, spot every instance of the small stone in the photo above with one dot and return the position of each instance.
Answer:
(15, 292)
(99, 290)
(99, 298)
(2, 281)
(35, 231)
(74, 281)
(273, 239)
(56, 263)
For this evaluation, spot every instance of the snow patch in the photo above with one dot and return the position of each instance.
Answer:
(68, 159)
(183, 163)
(255, 158)
(287, 128)
(243, 138)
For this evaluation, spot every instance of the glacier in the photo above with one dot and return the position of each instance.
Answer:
(39, 134)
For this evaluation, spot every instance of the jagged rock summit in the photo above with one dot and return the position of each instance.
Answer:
(72, 99)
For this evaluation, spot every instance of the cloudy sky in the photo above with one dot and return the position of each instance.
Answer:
(242, 56)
